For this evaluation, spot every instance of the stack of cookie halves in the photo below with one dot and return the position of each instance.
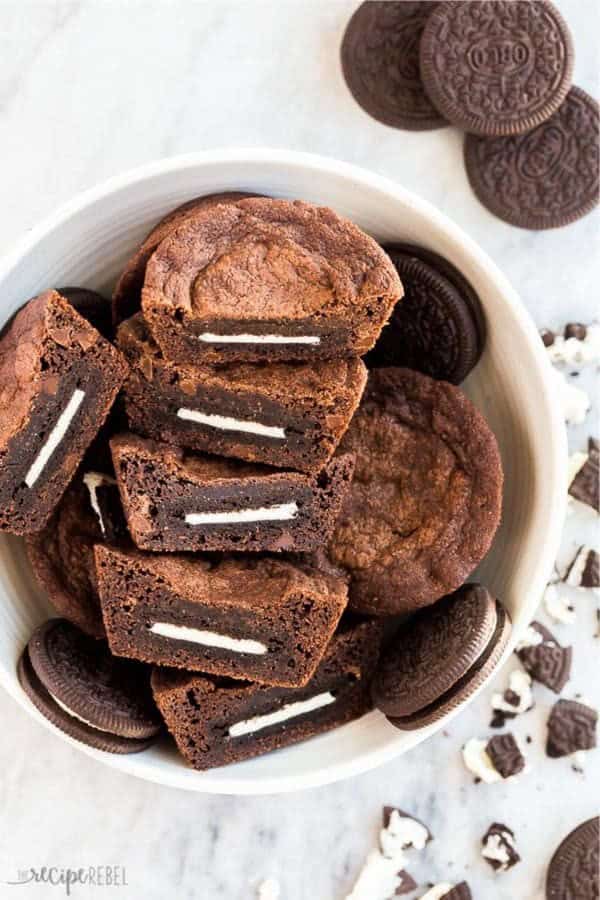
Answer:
(233, 529)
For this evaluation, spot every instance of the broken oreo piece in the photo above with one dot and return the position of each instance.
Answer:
(585, 486)
(498, 847)
(571, 728)
(505, 754)
(515, 700)
(584, 571)
(92, 696)
(573, 870)
(544, 658)
(402, 831)
(439, 327)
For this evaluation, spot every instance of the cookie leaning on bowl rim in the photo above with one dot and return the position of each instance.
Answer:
(440, 657)
(94, 697)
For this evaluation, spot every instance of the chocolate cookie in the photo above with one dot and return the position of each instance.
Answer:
(498, 847)
(267, 280)
(290, 415)
(496, 68)
(546, 178)
(59, 378)
(426, 497)
(127, 294)
(438, 328)
(440, 657)
(573, 870)
(62, 554)
(256, 618)
(380, 62)
(216, 721)
(92, 696)
(92, 306)
(178, 501)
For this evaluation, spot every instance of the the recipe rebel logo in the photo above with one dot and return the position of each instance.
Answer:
(67, 878)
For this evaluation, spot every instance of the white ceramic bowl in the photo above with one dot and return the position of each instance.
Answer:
(88, 241)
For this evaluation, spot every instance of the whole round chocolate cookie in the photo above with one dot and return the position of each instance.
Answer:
(573, 870)
(380, 62)
(544, 179)
(439, 327)
(440, 657)
(92, 306)
(96, 698)
(126, 295)
(426, 496)
(496, 68)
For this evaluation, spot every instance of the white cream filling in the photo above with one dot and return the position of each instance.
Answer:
(401, 833)
(558, 606)
(577, 567)
(519, 683)
(477, 761)
(495, 848)
(288, 711)
(531, 638)
(209, 338)
(379, 879)
(573, 351)
(54, 438)
(208, 638)
(92, 481)
(278, 513)
(574, 401)
(71, 713)
(226, 423)
(438, 891)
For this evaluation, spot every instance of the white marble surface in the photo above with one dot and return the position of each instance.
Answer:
(90, 88)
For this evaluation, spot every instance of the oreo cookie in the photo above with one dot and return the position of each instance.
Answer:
(496, 68)
(438, 328)
(440, 657)
(546, 178)
(380, 62)
(573, 870)
(95, 698)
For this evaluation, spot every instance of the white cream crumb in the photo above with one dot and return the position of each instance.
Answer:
(558, 606)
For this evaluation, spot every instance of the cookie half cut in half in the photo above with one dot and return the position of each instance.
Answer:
(289, 415)
(216, 721)
(267, 279)
(178, 501)
(256, 618)
(58, 380)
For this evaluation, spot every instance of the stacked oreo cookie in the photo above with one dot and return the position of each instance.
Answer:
(233, 533)
(500, 70)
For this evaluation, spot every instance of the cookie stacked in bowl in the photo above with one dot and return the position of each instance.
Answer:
(248, 513)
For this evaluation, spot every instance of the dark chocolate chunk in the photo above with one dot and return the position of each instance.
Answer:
(547, 662)
(575, 330)
(498, 847)
(438, 328)
(496, 68)
(380, 62)
(407, 883)
(505, 754)
(460, 891)
(547, 337)
(573, 870)
(571, 727)
(546, 178)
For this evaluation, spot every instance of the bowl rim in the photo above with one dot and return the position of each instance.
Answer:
(328, 772)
